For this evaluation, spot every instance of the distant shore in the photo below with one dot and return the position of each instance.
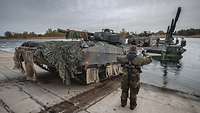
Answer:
(193, 36)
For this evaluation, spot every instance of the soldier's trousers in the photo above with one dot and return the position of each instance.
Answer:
(134, 85)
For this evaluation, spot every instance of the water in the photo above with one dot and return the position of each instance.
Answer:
(183, 76)
(9, 45)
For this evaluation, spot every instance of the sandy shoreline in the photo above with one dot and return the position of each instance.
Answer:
(5, 54)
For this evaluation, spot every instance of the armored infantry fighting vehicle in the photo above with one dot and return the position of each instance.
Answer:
(109, 36)
(91, 59)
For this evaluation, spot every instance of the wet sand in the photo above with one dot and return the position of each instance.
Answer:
(49, 94)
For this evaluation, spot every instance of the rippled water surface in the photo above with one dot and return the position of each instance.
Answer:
(183, 76)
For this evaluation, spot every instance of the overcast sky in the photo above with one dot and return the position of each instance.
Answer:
(93, 15)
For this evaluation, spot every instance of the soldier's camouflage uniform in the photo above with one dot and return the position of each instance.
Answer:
(131, 79)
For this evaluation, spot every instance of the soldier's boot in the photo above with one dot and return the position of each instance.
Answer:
(133, 102)
(123, 102)
(124, 97)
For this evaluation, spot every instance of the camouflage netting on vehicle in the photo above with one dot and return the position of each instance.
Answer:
(60, 55)
(64, 56)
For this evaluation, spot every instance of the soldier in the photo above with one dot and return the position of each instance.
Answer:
(177, 41)
(157, 42)
(183, 42)
(131, 75)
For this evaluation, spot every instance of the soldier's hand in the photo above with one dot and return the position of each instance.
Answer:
(143, 52)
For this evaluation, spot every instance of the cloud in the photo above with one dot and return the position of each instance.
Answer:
(93, 15)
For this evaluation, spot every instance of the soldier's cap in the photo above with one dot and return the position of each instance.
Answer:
(132, 48)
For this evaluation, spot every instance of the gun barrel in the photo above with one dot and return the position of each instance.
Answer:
(171, 29)
(177, 14)
(176, 19)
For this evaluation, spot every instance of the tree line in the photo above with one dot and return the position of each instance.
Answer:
(188, 32)
(25, 34)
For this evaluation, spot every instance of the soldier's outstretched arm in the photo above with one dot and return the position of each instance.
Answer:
(147, 60)
(142, 60)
